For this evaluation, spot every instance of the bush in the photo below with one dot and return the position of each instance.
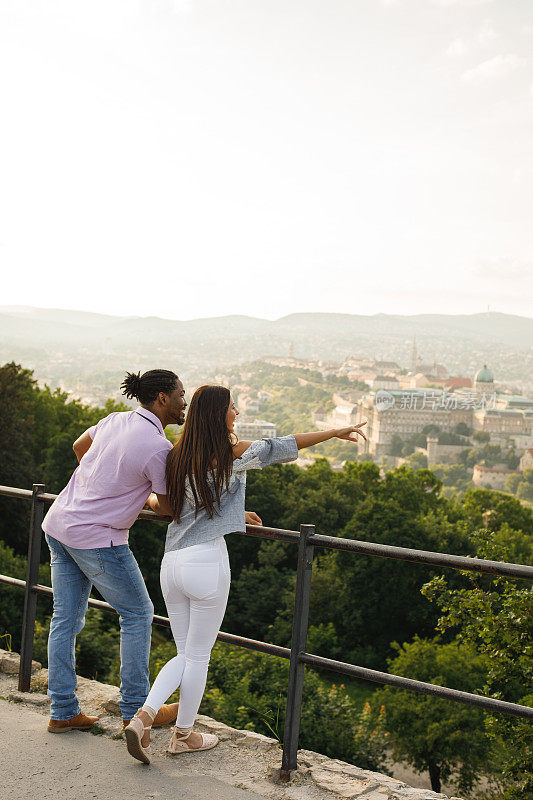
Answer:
(11, 598)
(525, 491)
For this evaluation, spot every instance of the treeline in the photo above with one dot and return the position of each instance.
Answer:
(467, 631)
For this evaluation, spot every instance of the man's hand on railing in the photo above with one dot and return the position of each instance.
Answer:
(252, 518)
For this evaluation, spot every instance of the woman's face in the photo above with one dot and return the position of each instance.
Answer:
(231, 415)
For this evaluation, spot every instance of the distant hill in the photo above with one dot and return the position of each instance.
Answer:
(92, 343)
(29, 324)
(504, 328)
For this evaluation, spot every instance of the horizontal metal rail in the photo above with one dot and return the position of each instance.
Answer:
(11, 491)
(426, 557)
(467, 563)
(386, 678)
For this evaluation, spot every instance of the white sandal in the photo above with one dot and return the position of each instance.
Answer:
(177, 744)
(134, 733)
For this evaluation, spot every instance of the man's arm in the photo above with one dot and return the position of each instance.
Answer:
(81, 445)
(159, 504)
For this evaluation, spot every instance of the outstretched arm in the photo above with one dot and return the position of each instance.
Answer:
(315, 437)
(261, 453)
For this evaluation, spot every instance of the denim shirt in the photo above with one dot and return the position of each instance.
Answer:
(192, 529)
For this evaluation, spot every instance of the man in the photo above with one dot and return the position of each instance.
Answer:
(122, 460)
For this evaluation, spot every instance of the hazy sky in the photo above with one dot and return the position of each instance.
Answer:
(192, 158)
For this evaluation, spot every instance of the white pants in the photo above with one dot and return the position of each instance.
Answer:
(195, 584)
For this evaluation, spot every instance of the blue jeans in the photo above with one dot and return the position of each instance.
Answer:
(116, 574)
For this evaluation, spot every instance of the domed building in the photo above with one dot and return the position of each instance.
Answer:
(484, 381)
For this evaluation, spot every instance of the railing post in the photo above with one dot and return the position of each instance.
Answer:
(30, 596)
(298, 643)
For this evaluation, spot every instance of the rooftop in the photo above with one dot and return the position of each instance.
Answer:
(484, 375)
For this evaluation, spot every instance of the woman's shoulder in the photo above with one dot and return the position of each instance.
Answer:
(240, 448)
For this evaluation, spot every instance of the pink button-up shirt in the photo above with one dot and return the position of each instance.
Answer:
(125, 462)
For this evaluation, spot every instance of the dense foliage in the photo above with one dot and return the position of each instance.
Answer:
(494, 616)
(437, 736)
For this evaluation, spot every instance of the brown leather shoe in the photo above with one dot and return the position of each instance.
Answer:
(78, 723)
(165, 716)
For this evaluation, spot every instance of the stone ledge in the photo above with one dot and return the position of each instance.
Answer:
(317, 777)
(10, 663)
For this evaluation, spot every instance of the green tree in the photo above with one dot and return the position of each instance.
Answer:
(17, 467)
(455, 475)
(495, 616)
(525, 491)
(527, 476)
(483, 506)
(462, 429)
(257, 590)
(443, 738)
(38, 429)
(511, 484)
(361, 593)
(396, 445)
(417, 461)
(431, 429)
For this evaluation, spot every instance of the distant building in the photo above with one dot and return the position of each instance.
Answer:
(502, 423)
(320, 417)
(526, 462)
(404, 413)
(342, 416)
(407, 410)
(491, 477)
(387, 366)
(248, 404)
(417, 366)
(514, 401)
(419, 380)
(433, 370)
(457, 383)
(255, 429)
(484, 381)
(444, 453)
(346, 397)
(521, 442)
(384, 382)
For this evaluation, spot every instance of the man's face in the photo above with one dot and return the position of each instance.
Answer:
(177, 405)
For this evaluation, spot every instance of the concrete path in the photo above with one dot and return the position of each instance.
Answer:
(82, 766)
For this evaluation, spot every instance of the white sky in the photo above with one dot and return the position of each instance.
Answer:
(194, 158)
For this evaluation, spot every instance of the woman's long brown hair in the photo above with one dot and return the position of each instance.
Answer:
(202, 453)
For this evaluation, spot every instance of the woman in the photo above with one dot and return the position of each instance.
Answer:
(206, 478)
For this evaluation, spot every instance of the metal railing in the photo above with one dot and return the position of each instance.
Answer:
(306, 540)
